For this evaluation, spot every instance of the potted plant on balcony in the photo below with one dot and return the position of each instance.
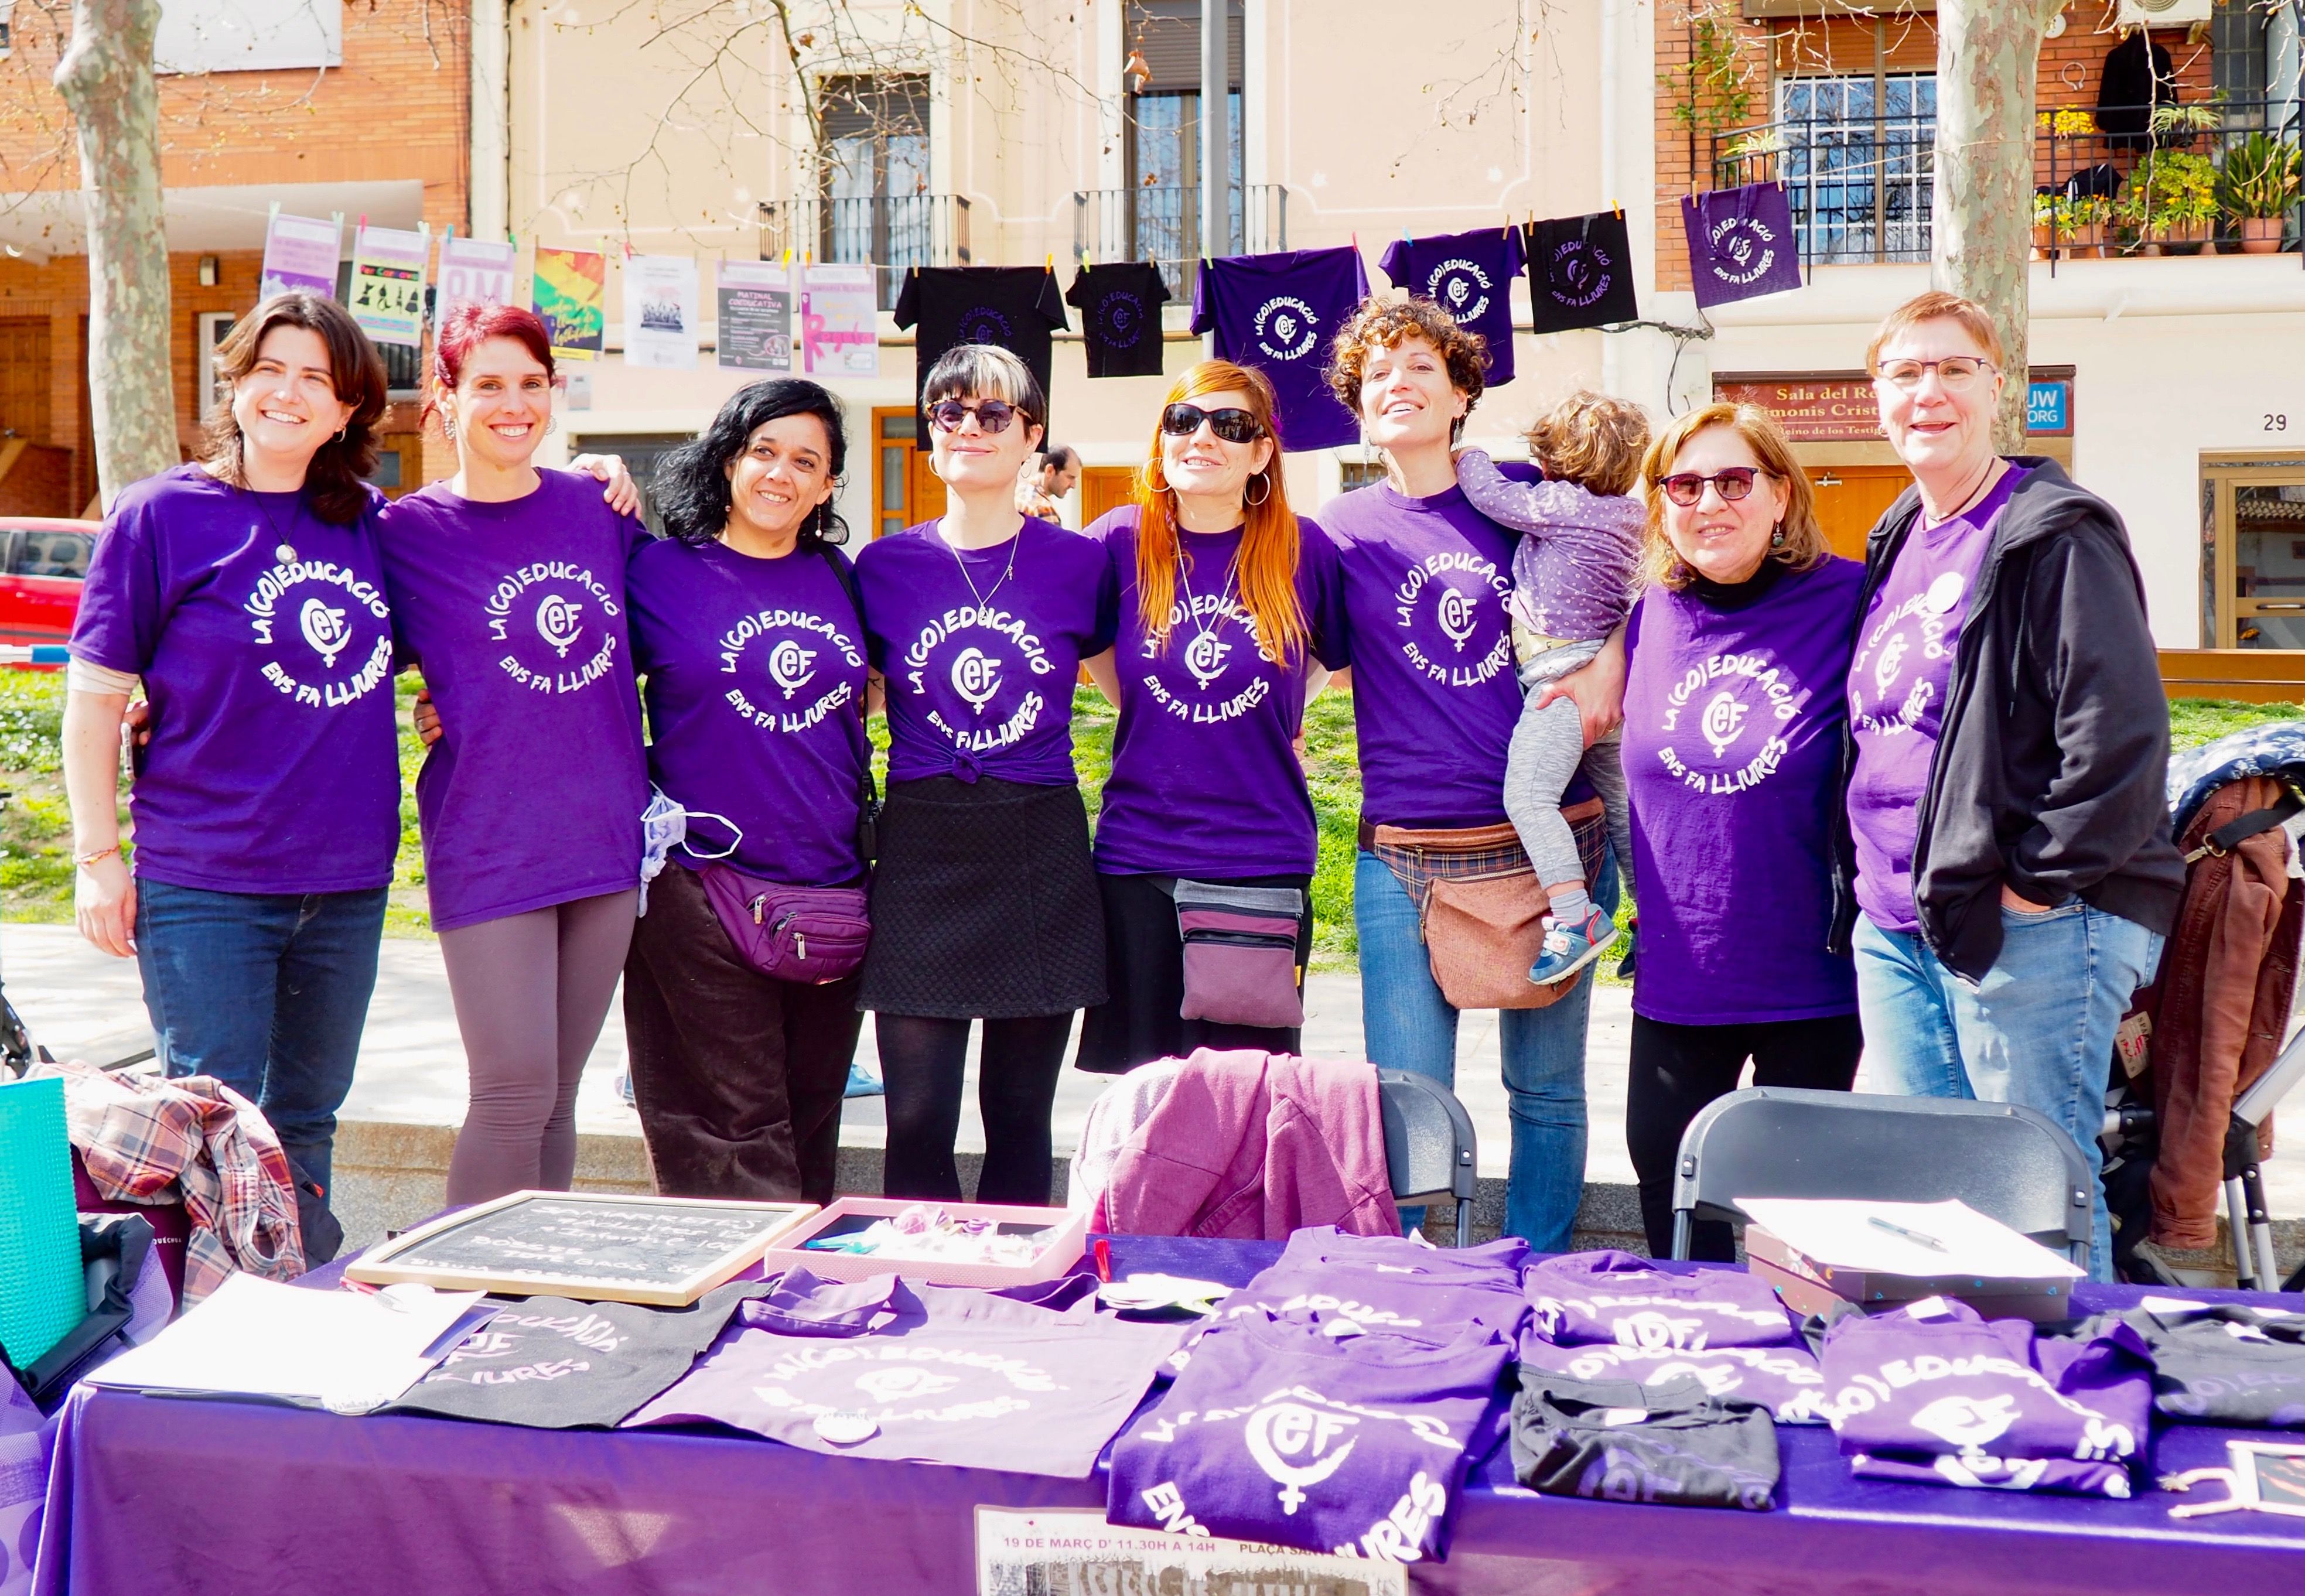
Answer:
(2089, 214)
(2258, 185)
(2169, 197)
(2052, 224)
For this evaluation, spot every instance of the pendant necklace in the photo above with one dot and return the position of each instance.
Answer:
(1205, 656)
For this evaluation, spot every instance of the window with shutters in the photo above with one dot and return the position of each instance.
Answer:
(877, 209)
(1163, 142)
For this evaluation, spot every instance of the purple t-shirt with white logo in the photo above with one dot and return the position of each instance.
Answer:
(514, 611)
(1731, 750)
(1613, 1296)
(1280, 314)
(755, 673)
(1205, 779)
(265, 644)
(1898, 679)
(1470, 274)
(1388, 1284)
(1434, 697)
(980, 647)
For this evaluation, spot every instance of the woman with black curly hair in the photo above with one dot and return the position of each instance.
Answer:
(745, 625)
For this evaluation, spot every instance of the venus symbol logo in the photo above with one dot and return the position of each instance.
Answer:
(1121, 317)
(1458, 616)
(1723, 721)
(790, 666)
(1285, 328)
(1285, 1431)
(1205, 656)
(1892, 662)
(1462, 286)
(900, 1385)
(559, 621)
(1967, 1421)
(324, 628)
(975, 676)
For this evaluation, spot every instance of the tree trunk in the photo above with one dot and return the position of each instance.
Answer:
(1987, 53)
(106, 78)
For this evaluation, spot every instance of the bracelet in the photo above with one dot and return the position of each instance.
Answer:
(85, 860)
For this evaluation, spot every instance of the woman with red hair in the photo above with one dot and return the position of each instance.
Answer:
(1206, 823)
(507, 589)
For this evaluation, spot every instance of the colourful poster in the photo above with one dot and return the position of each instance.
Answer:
(299, 252)
(660, 311)
(839, 314)
(572, 292)
(473, 272)
(755, 316)
(388, 286)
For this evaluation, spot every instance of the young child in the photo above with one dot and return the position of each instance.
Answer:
(1572, 585)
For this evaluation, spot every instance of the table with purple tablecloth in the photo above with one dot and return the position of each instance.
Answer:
(190, 1496)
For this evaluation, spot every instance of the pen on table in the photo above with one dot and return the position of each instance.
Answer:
(378, 1292)
(1917, 1237)
(1104, 1260)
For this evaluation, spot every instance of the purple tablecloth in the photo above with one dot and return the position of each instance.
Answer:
(190, 1496)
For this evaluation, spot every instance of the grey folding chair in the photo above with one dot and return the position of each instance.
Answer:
(1429, 1145)
(2012, 1163)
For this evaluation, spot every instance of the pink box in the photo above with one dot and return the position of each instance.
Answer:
(1066, 1240)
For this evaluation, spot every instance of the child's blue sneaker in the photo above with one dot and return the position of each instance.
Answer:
(1569, 948)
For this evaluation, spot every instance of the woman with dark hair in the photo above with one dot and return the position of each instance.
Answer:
(1225, 596)
(245, 592)
(984, 905)
(507, 589)
(744, 626)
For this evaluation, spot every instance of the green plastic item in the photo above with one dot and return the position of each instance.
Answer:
(43, 1288)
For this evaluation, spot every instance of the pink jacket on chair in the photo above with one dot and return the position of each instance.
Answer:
(1250, 1146)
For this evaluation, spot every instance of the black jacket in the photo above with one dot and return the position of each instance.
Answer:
(2050, 770)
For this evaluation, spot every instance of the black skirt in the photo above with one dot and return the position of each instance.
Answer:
(984, 905)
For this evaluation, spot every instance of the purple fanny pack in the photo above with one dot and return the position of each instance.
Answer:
(1240, 954)
(806, 934)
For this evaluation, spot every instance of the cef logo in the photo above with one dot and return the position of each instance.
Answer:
(975, 676)
(560, 622)
(324, 628)
(1461, 288)
(1285, 328)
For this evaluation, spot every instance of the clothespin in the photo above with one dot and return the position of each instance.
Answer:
(1052, 263)
(275, 208)
(1356, 243)
(1617, 208)
(1405, 238)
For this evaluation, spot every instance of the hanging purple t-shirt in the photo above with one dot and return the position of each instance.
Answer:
(1434, 697)
(266, 648)
(514, 611)
(1731, 749)
(1280, 314)
(1205, 779)
(1898, 679)
(1471, 276)
(1613, 1296)
(980, 647)
(1784, 1379)
(755, 675)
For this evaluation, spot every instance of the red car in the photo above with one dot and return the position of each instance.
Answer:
(43, 562)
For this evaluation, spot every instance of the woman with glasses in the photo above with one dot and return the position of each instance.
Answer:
(984, 905)
(1224, 598)
(2006, 829)
(1734, 718)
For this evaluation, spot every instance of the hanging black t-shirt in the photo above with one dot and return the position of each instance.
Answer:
(1014, 307)
(1580, 272)
(1120, 305)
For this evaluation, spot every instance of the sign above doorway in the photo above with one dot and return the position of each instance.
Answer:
(1837, 406)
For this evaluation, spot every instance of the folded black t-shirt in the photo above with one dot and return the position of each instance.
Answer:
(1121, 317)
(1622, 1442)
(2227, 1363)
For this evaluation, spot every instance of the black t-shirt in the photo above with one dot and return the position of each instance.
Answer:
(2223, 1362)
(1621, 1441)
(1014, 307)
(1121, 317)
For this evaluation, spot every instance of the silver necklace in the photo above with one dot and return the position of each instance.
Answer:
(1204, 655)
(984, 601)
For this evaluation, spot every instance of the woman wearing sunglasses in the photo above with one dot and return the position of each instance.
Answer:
(1734, 720)
(1224, 598)
(2010, 842)
(984, 905)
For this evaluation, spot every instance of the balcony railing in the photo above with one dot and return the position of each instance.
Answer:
(2195, 179)
(891, 233)
(1163, 224)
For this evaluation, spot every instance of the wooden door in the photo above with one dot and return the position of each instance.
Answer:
(1849, 498)
(24, 378)
(1105, 488)
(905, 491)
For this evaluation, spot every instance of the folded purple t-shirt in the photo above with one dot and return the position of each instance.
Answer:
(1615, 1297)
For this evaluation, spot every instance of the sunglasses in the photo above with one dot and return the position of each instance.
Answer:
(1233, 426)
(1954, 372)
(993, 415)
(1686, 488)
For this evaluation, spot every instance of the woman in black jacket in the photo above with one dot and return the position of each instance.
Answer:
(2009, 737)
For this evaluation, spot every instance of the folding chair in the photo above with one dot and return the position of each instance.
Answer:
(1429, 1145)
(2012, 1164)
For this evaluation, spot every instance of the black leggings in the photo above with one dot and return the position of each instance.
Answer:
(1677, 1069)
(923, 1062)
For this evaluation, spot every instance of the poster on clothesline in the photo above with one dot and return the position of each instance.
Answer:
(299, 252)
(756, 317)
(388, 283)
(1072, 1550)
(1740, 243)
(571, 292)
(1580, 273)
(660, 311)
(838, 309)
(474, 272)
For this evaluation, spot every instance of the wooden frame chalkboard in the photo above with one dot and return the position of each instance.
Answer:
(594, 1246)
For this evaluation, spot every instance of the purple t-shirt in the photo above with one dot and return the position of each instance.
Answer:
(755, 675)
(1434, 697)
(1613, 1296)
(1387, 1284)
(1898, 679)
(1471, 276)
(1280, 314)
(1205, 779)
(1733, 763)
(514, 611)
(266, 648)
(980, 647)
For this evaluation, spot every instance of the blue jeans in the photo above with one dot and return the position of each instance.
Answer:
(2037, 1030)
(1407, 1024)
(265, 992)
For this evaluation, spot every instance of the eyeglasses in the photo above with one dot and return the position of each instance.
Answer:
(1685, 488)
(1233, 426)
(993, 415)
(1954, 372)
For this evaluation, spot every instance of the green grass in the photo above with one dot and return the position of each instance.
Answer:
(2195, 721)
(36, 867)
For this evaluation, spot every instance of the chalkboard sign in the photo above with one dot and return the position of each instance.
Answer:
(594, 1246)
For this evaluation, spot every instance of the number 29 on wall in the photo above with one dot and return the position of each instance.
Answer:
(2275, 421)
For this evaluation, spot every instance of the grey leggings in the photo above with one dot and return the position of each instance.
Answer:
(1548, 746)
(531, 992)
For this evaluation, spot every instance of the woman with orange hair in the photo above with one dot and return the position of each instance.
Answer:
(1205, 845)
